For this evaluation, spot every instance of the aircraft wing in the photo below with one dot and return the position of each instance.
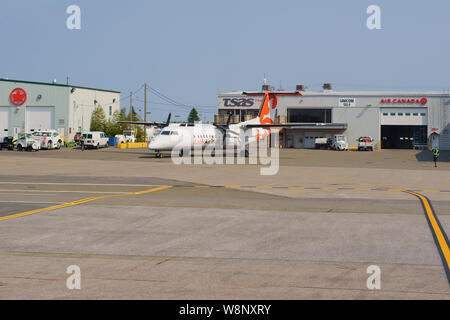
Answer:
(143, 123)
(297, 125)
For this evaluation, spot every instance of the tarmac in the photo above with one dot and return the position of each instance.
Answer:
(144, 228)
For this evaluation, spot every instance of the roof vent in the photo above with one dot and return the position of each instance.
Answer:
(266, 87)
(300, 87)
(327, 87)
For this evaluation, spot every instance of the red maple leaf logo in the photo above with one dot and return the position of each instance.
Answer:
(18, 96)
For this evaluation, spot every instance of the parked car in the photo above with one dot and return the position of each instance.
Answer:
(365, 143)
(26, 141)
(95, 139)
(51, 139)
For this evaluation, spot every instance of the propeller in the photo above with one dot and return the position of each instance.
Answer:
(224, 136)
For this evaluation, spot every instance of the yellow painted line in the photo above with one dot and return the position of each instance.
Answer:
(444, 246)
(296, 188)
(263, 187)
(325, 188)
(201, 186)
(438, 234)
(362, 189)
(81, 201)
(233, 187)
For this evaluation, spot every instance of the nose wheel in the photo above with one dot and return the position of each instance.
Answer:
(158, 154)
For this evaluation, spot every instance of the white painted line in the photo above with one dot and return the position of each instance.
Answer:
(34, 202)
(83, 184)
(58, 191)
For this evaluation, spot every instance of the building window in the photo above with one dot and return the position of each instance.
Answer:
(415, 114)
(385, 113)
(407, 114)
(309, 115)
(110, 110)
(400, 113)
(393, 114)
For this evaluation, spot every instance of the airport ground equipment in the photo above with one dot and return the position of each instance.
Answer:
(340, 143)
(365, 143)
(323, 143)
(26, 141)
(6, 143)
(126, 136)
(51, 139)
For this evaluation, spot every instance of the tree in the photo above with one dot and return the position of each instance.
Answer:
(193, 116)
(112, 126)
(98, 119)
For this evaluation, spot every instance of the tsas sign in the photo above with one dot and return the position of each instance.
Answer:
(238, 102)
(421, 101)
(18, 96)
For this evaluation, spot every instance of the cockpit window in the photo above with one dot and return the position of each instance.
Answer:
(173, 133)
(165, 133)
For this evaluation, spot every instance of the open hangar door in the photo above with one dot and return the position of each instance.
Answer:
(42, 118)
(403, 128)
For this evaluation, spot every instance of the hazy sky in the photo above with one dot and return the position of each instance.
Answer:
(191, 50)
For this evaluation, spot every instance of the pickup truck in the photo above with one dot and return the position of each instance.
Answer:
(365, 143)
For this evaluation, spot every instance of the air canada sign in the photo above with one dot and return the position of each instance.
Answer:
(421, 101)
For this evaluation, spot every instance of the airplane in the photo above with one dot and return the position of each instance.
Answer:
(186, 136)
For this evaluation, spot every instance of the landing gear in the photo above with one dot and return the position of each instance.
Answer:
(157, 154)
(244, 153)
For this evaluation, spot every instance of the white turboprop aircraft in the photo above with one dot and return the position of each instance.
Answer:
(187, 136)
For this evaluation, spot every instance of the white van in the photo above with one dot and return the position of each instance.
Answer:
(95, 139)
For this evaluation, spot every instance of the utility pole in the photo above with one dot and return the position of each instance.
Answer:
(131, 105)
(145, 111)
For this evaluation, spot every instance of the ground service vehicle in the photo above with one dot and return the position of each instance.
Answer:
(323, 143)
(95, 139)
(26, 141)
(340, 143)
(6, 143)
(127, 136)
(365, 143)
(51, 139)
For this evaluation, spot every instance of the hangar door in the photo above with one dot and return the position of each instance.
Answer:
(403, 128)
(4, 121)
(40, 118)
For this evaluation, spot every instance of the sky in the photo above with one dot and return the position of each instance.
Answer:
(192, 50)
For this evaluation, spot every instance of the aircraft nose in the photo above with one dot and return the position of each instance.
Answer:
(153, 145)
